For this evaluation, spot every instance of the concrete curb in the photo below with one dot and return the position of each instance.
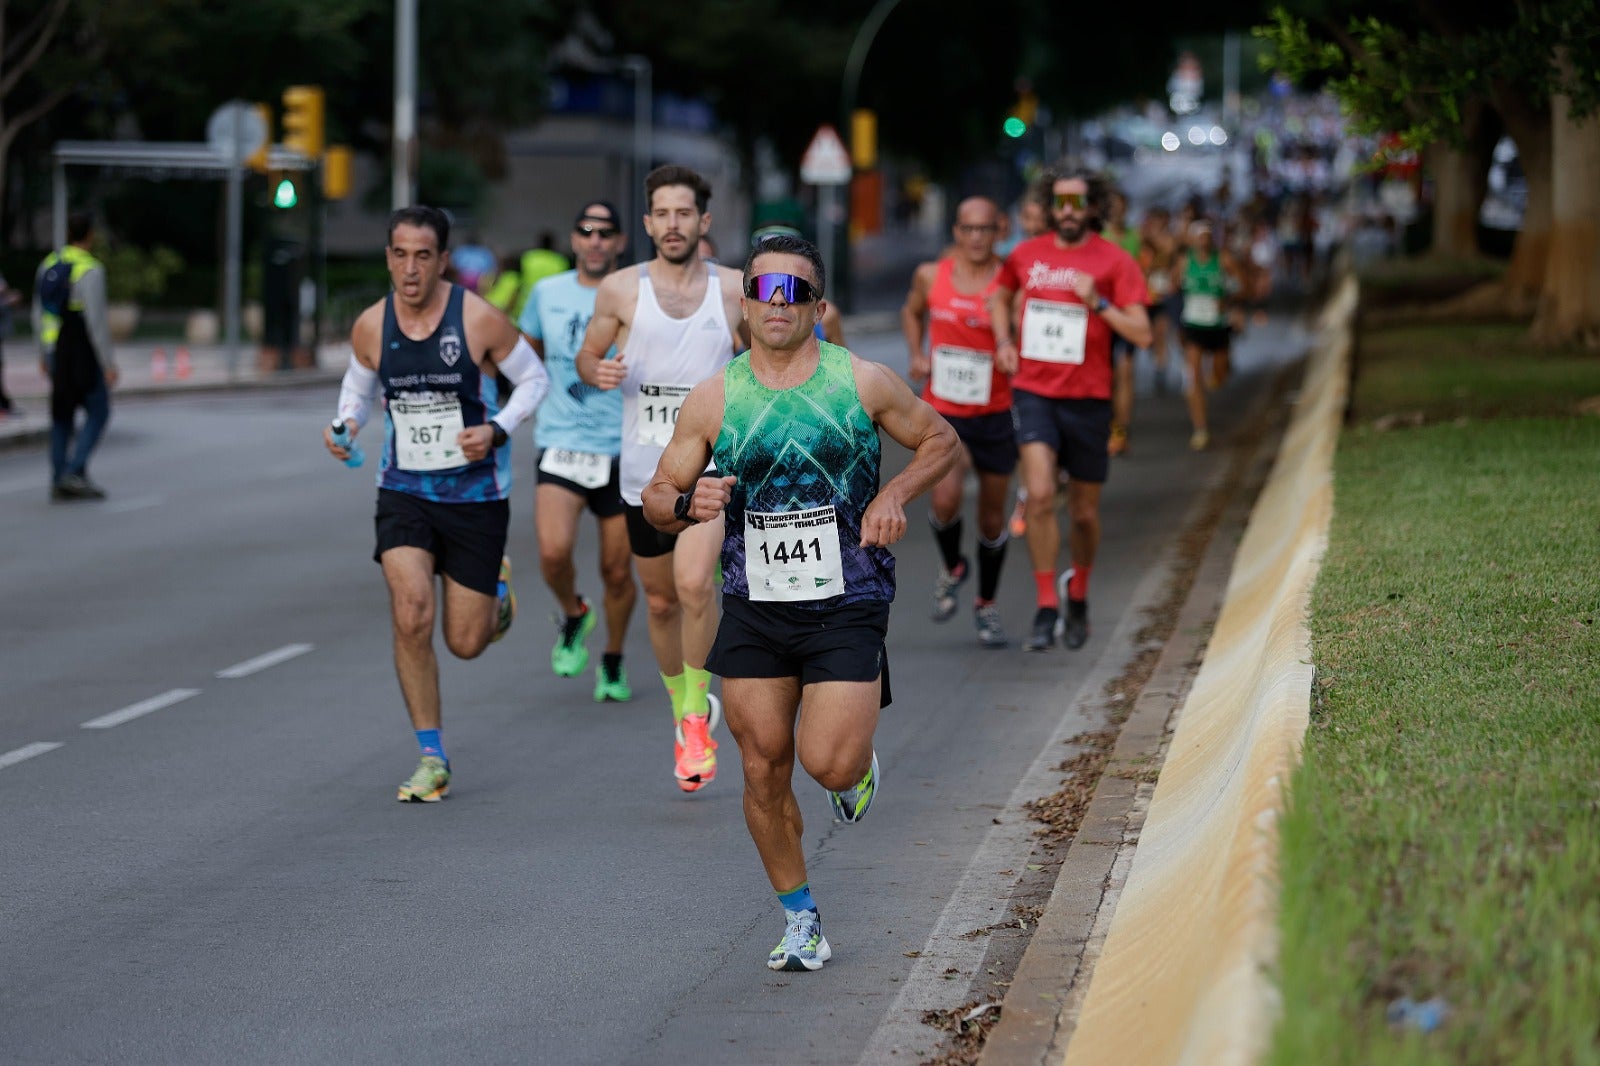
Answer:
(1047, 991)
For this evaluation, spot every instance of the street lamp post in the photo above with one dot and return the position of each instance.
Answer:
(643, 137)
(403, 189)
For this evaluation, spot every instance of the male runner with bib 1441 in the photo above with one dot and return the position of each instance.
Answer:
(674, 322)
(807, 575)
(445, 478)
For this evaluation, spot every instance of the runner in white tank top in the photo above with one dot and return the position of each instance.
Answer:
(666, 358)
(674, 321)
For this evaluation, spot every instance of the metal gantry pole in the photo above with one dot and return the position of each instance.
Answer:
(404, 186)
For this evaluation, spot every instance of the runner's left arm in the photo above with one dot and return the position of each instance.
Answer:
(684, 460)
(914, 424)
(508, 351)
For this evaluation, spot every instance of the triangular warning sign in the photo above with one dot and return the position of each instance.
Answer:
(826, 161)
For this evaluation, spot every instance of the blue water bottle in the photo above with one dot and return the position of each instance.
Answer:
(341, 437)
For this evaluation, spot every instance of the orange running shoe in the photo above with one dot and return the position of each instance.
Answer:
(697, 754)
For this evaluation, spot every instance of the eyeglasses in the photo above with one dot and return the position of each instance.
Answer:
(795, 290)
(605, 232)
(976, 229)
(1075, 200)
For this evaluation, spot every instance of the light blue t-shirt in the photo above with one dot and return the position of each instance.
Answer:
(574, 415)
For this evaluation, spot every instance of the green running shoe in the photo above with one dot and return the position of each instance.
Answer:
(803, 946)
(505, 601)
(429, 783)
(570, 656)
(611, 689)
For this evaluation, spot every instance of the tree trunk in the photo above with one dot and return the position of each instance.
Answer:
(1569, 305)
(1460, 180)
(1529, 125)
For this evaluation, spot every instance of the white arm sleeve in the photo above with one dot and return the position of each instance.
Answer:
(523, 368)
(357, 392)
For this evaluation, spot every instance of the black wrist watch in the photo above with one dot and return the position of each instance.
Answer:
(499, 434)
(680, 507)
(1101, 305)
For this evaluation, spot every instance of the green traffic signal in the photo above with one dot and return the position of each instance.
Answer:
(285, 196)
(1015, 127)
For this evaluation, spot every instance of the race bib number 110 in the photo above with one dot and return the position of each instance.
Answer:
(658, 412)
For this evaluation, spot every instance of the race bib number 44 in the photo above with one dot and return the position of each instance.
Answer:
(589, 470)
(658, 412)
(792, 556)
(427, 428)
(962, 375)
(1054, 332)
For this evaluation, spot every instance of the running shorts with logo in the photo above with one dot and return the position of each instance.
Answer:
(991, 440)
(466, 540)
(843, 643)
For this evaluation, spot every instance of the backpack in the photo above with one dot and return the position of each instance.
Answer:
(55, 287)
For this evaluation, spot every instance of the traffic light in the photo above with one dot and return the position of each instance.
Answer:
(1022, 115)
(285, 194)
(302, 120)
(257, 160)
(337, 165)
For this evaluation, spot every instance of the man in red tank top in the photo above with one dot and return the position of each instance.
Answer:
(946, 324)
(1077, 290)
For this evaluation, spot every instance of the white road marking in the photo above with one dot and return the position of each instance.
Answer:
(28, 751)
(261, 662)
(137, 710)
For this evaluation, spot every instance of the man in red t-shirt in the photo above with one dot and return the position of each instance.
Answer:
(1077, 289)
(945, 320)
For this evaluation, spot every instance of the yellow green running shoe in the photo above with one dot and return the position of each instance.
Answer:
(506, 600)
(570, 655)
(429, 783)
(803, 946)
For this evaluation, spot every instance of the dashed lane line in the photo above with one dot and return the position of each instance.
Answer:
(27, 751)
(139, 710)
(261, 662)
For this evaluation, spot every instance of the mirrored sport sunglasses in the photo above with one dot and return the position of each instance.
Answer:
(1075, 200)
(795, 290)
(586, 230)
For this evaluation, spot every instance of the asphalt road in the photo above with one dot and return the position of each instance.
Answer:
(204, 861)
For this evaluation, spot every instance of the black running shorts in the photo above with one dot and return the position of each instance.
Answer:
(466, 540)
(1077, 430)
(990, 439)
(644, 539)
(782, 640)
(1208, 338)
(604, 502)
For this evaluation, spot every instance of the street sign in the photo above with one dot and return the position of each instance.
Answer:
(826, 161)
(235, 119)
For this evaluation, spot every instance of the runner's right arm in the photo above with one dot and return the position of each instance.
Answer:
(359, 390)
(604, 327)
(913, 321)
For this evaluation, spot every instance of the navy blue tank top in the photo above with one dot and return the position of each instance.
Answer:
(434, 390)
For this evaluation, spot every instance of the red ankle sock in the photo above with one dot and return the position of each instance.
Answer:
(1046, 582)
(1078, 584)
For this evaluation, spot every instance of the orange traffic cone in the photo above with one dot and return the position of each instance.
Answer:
(182, 367)
(158, 365)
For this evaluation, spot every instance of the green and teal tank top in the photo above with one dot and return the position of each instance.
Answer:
(807, 460)
(1204, 286)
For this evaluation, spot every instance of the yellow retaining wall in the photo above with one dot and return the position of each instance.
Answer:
(1184, 975)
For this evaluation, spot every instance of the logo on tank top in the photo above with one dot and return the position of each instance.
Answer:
(450, 346)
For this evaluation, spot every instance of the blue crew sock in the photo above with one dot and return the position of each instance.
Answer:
(431, 743)
(798, 899)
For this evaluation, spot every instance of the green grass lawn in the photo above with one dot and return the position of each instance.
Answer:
(1443, 837)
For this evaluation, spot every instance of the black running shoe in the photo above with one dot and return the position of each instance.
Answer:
(1043, 636)
(1076, 633)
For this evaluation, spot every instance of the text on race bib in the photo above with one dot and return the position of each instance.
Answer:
(589, 470)
(427, 428)
(1202, 310)
(962, 375)
(1054, 332)
(793, 556)
(658, 412)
